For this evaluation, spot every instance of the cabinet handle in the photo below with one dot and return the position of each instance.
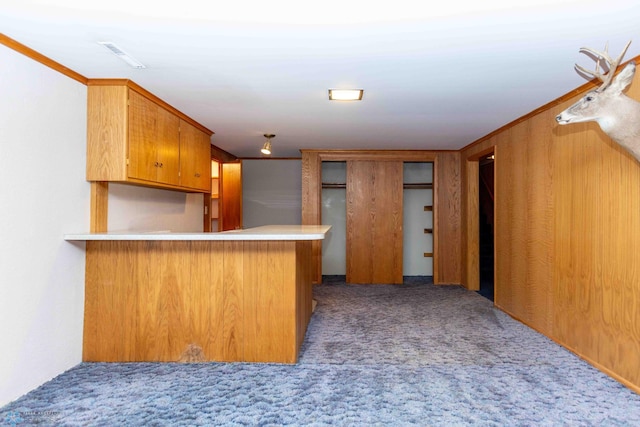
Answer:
(197, 175)
(161, 164)
(156, 164)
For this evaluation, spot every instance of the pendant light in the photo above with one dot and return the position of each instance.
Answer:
(266, 148)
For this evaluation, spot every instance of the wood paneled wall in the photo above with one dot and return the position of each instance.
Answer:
(447, 243)
(312, 204)
(447, 267)
(567, 227)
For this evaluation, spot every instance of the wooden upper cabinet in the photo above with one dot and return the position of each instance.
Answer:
(135, 137)
(195, 157)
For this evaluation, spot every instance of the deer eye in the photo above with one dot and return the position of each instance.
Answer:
(588, 98)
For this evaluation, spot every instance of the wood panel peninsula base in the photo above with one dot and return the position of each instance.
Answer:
(240, 296)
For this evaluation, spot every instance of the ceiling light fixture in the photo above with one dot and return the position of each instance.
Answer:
(134, 63)
(266, 148)
(346, 94)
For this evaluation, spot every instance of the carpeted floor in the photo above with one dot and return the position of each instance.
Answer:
(374, 355)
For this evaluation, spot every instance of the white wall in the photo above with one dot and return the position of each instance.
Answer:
(43, 194)
(271, 192)
(133, 208)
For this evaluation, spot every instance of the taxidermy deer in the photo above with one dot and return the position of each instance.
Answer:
(617, 114)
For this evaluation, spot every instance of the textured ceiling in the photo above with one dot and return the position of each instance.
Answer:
(435, 76)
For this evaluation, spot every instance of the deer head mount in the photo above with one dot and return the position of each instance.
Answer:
(617, 114)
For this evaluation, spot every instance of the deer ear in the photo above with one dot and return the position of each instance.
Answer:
(622, 80)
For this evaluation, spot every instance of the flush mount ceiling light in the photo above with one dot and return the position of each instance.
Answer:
(266, 148)
(345, 94)
(134, 63)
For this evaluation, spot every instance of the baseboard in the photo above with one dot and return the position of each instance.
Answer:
(597, 365)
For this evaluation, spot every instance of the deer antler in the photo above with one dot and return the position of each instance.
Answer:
(612, 65)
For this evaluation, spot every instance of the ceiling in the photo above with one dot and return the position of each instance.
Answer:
(436, 75)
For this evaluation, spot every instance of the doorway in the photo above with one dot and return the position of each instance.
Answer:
(486, 225)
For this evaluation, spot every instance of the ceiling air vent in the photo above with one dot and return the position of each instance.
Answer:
(134, 63)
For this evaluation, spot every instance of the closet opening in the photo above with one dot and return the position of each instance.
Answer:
(397, 242)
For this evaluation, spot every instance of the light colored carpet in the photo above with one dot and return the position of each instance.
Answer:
(379, 355)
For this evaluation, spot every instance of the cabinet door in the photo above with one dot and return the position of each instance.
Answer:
(154, 141)
(195, 157)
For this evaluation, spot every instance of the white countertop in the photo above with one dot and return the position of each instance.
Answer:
(266, 232)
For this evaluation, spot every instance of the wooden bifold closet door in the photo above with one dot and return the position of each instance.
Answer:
(374, 222)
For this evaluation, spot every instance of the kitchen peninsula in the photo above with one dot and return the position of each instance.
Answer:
(243, 295)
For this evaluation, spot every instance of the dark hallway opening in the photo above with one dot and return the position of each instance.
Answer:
(486, 227)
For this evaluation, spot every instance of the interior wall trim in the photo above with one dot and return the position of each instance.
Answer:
(44, 60)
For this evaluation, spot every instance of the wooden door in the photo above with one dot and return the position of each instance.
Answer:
(154, 141)
(231, 197)
(195, 157)
(374, 222)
